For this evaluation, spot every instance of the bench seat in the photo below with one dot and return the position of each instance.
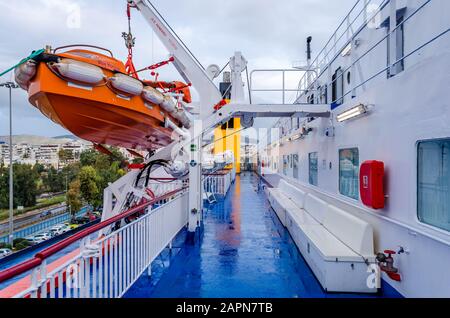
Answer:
(300, 216)
(328, 245)
(336, 245)
(281, 204)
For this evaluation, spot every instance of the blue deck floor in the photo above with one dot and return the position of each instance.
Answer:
(243, 252)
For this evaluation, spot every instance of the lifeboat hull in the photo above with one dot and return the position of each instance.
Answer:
(99, 114)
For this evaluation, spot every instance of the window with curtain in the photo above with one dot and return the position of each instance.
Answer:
(433, 183)
(349, 172)
(313, 168)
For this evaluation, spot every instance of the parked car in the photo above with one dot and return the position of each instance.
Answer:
(98, 214)
(59, 229)
(71, 226)
(55, 231)
(82, 220)
(49, 234)
(33, 241)
(65, 228)
(5, 252)
(39, 238)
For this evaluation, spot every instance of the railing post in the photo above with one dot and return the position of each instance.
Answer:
(34, 282)
(195, 184)
(43, 280)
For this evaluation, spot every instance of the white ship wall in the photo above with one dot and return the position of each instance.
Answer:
(410, 107)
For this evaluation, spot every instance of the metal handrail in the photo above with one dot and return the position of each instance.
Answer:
(364, 24)
(386, 37)
(45, 254)
(83, 45)
(283, 89)
(398, 61)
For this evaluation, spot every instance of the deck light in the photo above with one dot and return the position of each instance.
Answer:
(352, 113)
(347, 50)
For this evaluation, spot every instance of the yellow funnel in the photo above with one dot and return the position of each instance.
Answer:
(226, 138)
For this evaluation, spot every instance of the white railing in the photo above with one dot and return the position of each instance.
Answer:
(325, 58)
(109, 266)
(161, 187)
(361, 14)
(282, 88)
(219, 183)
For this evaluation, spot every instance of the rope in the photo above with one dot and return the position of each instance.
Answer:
(32, 56)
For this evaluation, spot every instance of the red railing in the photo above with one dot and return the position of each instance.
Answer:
(52, 250)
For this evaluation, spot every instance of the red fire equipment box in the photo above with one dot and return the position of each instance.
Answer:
(371, 184)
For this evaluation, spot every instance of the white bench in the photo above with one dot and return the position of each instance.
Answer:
(335, 244)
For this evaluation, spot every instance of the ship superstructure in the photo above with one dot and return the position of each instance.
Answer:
(351, 189)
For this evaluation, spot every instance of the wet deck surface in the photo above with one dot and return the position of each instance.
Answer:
(243, 252)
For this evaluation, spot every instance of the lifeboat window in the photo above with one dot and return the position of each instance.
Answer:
(349, 172)
(314, 169)
(433, 183)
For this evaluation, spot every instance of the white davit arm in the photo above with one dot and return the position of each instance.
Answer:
(188, 67)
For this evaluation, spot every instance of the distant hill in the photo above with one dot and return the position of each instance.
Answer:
(39, 140)
(73, 137)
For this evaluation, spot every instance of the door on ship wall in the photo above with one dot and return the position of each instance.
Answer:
(295, 161)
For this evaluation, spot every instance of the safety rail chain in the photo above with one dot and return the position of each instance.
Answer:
(106, 266)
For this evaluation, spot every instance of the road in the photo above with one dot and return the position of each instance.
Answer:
(23, 221)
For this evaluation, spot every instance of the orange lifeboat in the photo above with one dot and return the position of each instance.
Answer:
(90, 94)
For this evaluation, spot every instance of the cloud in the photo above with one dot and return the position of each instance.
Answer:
(270, 34)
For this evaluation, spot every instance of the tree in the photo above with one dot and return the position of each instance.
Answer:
(53, 181)
(110, 175)
(25, 186)
(4, 194)
(138, 160)
(88, 184)
(88, 157)
(70, 173)
(64, 156)
(73, 197)
(39, 168)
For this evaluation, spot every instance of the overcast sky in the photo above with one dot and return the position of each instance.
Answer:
(270, 34)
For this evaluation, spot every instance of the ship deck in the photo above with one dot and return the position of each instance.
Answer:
(242, 251)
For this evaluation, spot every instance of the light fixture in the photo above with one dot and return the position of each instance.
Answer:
(352, 113)
(347, 50)
(296, 137)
